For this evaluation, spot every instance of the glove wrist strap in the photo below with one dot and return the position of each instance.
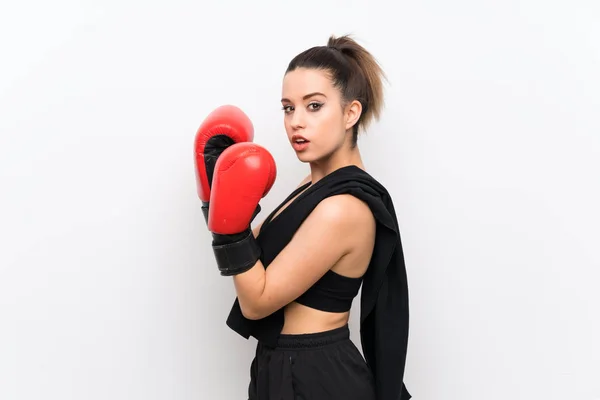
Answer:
(205, 210)
(237, 257)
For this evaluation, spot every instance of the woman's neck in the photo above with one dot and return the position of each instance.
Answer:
(338, 160)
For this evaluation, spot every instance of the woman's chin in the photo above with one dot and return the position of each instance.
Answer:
(303, 156)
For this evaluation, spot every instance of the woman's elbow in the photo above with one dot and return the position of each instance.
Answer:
(253, 313)
(250, 313)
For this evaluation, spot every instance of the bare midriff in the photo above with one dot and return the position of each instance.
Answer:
(300, 319)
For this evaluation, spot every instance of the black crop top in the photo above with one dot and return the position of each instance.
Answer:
(333, 292)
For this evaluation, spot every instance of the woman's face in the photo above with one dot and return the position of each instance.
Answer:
(314, 118)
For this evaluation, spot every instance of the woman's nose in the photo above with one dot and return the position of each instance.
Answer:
(297, 119)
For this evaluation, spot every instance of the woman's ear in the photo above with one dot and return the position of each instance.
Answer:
(352, 114)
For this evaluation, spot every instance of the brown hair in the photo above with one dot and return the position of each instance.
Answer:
(353, 70)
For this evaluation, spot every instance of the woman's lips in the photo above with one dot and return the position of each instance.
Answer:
(299, 143)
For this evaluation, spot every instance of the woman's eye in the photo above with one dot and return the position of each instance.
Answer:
(315, 106)
(286, 109)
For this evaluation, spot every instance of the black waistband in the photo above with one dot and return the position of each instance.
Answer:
(311, 340)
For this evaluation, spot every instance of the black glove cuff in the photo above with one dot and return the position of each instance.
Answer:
(237, 257)
(205, 210)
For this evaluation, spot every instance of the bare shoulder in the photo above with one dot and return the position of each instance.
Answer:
(343, 211)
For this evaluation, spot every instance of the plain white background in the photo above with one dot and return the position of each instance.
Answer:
(489, 145)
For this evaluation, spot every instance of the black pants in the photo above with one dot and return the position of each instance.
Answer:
(320, 366)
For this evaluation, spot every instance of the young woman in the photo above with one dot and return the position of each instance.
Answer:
(297, 273)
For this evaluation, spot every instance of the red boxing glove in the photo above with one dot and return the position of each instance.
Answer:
(223, 127)
(244, 174)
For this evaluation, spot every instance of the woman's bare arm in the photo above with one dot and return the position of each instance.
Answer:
(323, 238)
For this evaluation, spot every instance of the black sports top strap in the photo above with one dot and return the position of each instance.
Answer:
(284, 202)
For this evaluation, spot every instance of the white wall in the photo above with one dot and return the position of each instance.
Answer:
(490, 146)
